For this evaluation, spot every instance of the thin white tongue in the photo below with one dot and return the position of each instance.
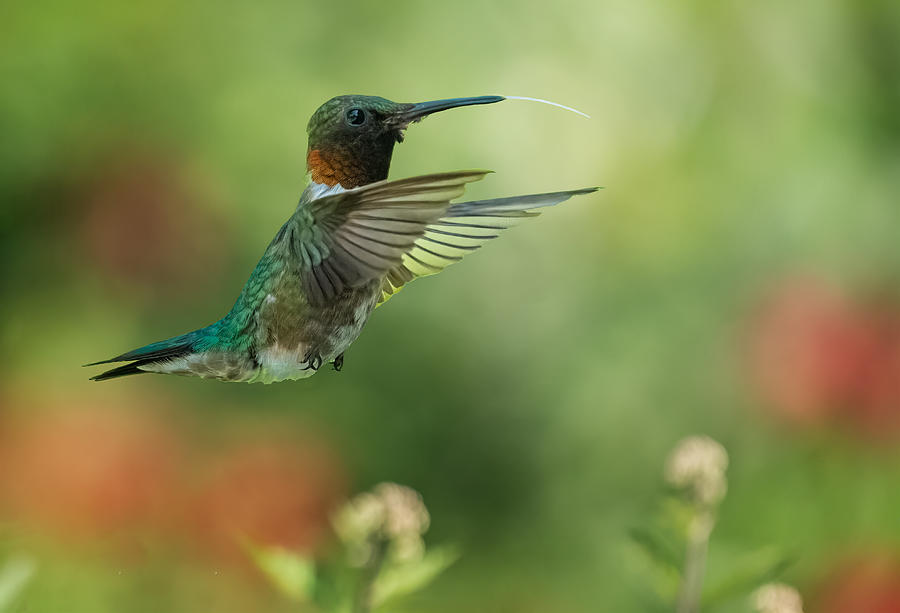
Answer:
(562, 106)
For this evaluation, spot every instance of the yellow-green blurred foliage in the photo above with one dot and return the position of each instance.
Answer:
(737, 276)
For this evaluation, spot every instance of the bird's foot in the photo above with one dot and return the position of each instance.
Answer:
(338, 363)
(313, 360)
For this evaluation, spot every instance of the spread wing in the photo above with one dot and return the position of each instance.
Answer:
(465, 227)
(351, 238)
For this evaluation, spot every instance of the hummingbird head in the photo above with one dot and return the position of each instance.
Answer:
(351, 138)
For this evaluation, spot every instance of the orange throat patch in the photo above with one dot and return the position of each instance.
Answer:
(331, 168)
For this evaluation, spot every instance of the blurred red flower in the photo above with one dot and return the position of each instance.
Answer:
(865, 585)
(269, 490)
(86, 472)
(145, 221)
(879, 393)
(817, 354)
(124, 475)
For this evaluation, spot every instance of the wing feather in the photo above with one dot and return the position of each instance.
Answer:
(464, 228)
(353, 237)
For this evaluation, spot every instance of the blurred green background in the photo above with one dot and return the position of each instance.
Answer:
(738, 276)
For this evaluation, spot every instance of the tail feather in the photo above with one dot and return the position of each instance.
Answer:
(122, 371)
(161, 350)
(154, 352)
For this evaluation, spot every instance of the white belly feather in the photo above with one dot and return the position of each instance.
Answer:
(277, 363)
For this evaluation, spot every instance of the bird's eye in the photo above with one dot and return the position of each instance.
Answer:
(356, 117)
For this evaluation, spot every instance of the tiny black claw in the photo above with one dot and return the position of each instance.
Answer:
(313, 360)
(338, 362)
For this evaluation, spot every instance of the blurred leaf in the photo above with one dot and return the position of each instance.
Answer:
(747, 573)
(335, 586)
(657, 550)
(14, 576)
(654, 582)
(675, 515)
(660, 549)
(293, 574)
(401, 579)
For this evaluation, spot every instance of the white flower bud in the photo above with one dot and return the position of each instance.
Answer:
(360, 518)
(777, 598)
(699, 463)
(391, 513)
(406, 513)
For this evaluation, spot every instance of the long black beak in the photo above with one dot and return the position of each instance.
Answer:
(415, 112)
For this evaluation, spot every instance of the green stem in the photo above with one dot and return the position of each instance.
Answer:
(695, 562)
(370, 574)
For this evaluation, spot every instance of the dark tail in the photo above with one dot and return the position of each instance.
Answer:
(154, 352)
(122, 371)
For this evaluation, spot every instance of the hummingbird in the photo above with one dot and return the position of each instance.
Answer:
(354, 240)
